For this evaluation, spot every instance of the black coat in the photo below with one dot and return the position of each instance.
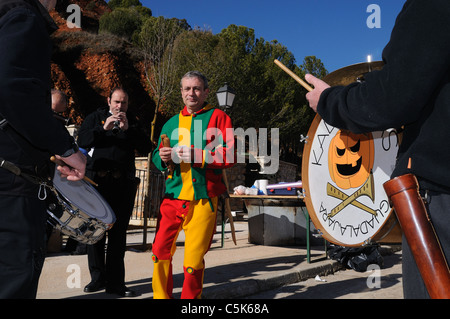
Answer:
(412, 90)
(25, 83)
(112, 151)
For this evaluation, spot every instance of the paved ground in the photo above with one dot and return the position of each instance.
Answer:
(233, 271)
(377, 283)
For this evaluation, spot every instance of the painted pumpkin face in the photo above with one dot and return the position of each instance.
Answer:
(350, 159)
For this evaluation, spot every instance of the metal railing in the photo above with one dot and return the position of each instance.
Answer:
(147, 200)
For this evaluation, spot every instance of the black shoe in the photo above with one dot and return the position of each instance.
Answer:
(121, 291)
(94, 286)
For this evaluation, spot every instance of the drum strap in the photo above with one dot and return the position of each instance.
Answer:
(10, 167)
(17, 171)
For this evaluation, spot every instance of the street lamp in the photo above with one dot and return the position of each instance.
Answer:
(225, 96)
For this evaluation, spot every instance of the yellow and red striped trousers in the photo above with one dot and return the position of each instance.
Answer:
(197, 218)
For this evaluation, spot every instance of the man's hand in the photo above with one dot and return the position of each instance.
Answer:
(185, 154)
(121, 117)
(176, 154)
(75, 167)
(314, 96)
(166, 154)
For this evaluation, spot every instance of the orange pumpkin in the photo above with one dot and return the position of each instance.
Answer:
(350, 159)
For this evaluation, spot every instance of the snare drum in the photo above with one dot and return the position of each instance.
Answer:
(78, 210)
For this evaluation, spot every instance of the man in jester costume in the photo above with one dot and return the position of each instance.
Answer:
(201, 146)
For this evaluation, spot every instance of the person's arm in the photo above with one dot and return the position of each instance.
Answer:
(220, 151)
(25, 81)
(25, 100)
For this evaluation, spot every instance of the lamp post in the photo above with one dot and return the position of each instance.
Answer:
(225, 96)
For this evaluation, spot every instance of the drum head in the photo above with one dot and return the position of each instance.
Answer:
(85, 197)
(343, 176)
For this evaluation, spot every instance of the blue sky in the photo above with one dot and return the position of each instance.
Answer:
(333, 30)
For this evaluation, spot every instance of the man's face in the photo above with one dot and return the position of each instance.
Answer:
(118, 102)
(58, 103)
(193, 93)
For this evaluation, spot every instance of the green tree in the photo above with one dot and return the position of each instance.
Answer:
(144, 11)
(194, 50)
(156, 40)
(314, 66)
(123, 22)
(243, 71)
(125, 19)
(266, 96)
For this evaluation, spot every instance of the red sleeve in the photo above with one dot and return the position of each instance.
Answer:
(219, 152)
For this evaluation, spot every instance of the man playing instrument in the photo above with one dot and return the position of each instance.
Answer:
(411, 91)
(113, 136)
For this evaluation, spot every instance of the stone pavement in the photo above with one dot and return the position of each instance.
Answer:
(378, 283)
(232, 271)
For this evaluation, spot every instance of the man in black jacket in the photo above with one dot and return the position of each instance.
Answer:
(29, 135)
(412, 90)
(112, 136)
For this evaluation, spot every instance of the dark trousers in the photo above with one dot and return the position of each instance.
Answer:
(22, 245)
(109, 267)
(438, 206)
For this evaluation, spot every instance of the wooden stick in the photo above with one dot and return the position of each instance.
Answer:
(293, 75)
(61, 163)
(166, 143)
(228, 208)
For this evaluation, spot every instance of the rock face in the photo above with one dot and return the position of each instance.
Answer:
(87, 65)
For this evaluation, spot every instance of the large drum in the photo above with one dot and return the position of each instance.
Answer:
(78, 210)
(343, 175)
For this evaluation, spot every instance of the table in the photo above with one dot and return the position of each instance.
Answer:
(278, 220)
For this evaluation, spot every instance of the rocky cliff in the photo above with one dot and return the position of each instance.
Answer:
(87, 65)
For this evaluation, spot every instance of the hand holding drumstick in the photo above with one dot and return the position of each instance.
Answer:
(72, 167)
(314, 94)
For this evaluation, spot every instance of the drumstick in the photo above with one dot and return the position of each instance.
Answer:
(293, 75)
(61, 163)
